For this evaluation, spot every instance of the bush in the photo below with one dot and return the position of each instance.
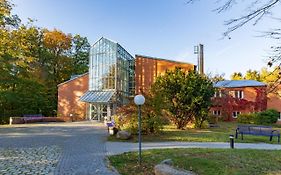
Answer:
(4, 120)
(213, 119)
(247, 118)
(269, 116)
(151, 123)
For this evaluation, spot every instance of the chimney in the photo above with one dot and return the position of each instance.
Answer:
(199, 50)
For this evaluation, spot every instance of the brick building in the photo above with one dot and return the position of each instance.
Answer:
(234, 97)
(114, 76)
(69, 105)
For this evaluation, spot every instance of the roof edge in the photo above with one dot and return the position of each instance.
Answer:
(72, 79)
(162, 59)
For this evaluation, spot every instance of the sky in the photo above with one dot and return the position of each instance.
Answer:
(166, 29)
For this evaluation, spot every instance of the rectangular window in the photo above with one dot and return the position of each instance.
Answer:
(218, 94)
(217, 112)
(239, 94)
(235, 114)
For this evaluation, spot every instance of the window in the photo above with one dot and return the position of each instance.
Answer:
(235, 114)
(218, 112)
(217, 94)
(239, 94)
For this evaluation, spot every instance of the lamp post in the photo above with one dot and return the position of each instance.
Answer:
(139, 100)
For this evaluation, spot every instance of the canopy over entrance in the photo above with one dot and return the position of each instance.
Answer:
(97, 96)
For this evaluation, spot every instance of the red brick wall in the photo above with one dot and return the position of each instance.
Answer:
(147, 69)
(254, 100)
(68, 98)
(274, 100)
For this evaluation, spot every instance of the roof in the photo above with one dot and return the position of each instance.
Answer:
(73, 78)
(161, 59)
(238, 83)
(97, 96)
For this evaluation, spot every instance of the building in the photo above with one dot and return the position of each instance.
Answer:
(148, 68)
(274, 100)
(114, 76)
(234, 97)
(69, 105)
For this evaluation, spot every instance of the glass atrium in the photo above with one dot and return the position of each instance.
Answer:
(111, 79)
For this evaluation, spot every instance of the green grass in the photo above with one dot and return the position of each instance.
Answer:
(203, 161)
(220, 134)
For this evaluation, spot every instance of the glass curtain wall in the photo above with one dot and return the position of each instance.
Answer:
(111, 69)
(103, 66)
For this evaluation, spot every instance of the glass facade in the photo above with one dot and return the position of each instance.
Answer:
(111, 68)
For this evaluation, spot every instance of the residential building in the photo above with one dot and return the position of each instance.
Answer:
(234, 97)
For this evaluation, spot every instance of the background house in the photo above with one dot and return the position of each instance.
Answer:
(234, 97)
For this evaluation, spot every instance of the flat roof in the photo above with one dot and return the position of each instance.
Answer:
(161, 59)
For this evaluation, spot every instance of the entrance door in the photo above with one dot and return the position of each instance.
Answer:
(99, 112)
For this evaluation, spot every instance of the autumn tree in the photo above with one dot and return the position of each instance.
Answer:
(236, 76)
(33, 61)
(152, 117)
(186, 96)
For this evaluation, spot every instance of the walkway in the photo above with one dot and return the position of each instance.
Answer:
(114, 148)
(54, 148)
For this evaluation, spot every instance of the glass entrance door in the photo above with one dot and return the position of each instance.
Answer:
(99, 112)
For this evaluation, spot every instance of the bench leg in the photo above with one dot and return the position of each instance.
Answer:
(278, 139)
(242, 136)
(270, 139)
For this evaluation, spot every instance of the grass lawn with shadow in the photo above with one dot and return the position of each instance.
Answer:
(203, 161)
(218, 134)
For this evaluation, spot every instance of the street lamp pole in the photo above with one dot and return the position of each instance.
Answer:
(139, 100)
(139, 108)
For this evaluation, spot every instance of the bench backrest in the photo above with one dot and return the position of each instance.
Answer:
(255, 129)
(33, 115)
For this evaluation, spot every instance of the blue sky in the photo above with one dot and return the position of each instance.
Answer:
(160, 28)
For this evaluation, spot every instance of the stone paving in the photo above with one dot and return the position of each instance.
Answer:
(40, 160)
(54, 148)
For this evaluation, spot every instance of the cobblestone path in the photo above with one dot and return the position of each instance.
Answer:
(54, 148)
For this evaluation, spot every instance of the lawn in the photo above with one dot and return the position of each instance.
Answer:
(219, 134)
(203, 161)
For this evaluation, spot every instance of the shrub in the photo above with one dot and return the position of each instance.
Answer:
(247, 118)
(4, 120)
(151, 123)
(269, 116)
(213, 119)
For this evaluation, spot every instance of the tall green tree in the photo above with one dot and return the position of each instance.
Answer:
(80, 54)
(186, 96)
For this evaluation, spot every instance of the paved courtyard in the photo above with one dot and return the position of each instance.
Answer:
(54, 148)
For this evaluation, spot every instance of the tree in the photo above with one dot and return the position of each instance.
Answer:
(80, 53)
(252, 75)
(152, 118)
(6, 18)
(33, 61)
(236, 76)
(185, 96)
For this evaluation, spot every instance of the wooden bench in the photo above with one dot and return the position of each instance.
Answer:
(32, 117)
(257, 130)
